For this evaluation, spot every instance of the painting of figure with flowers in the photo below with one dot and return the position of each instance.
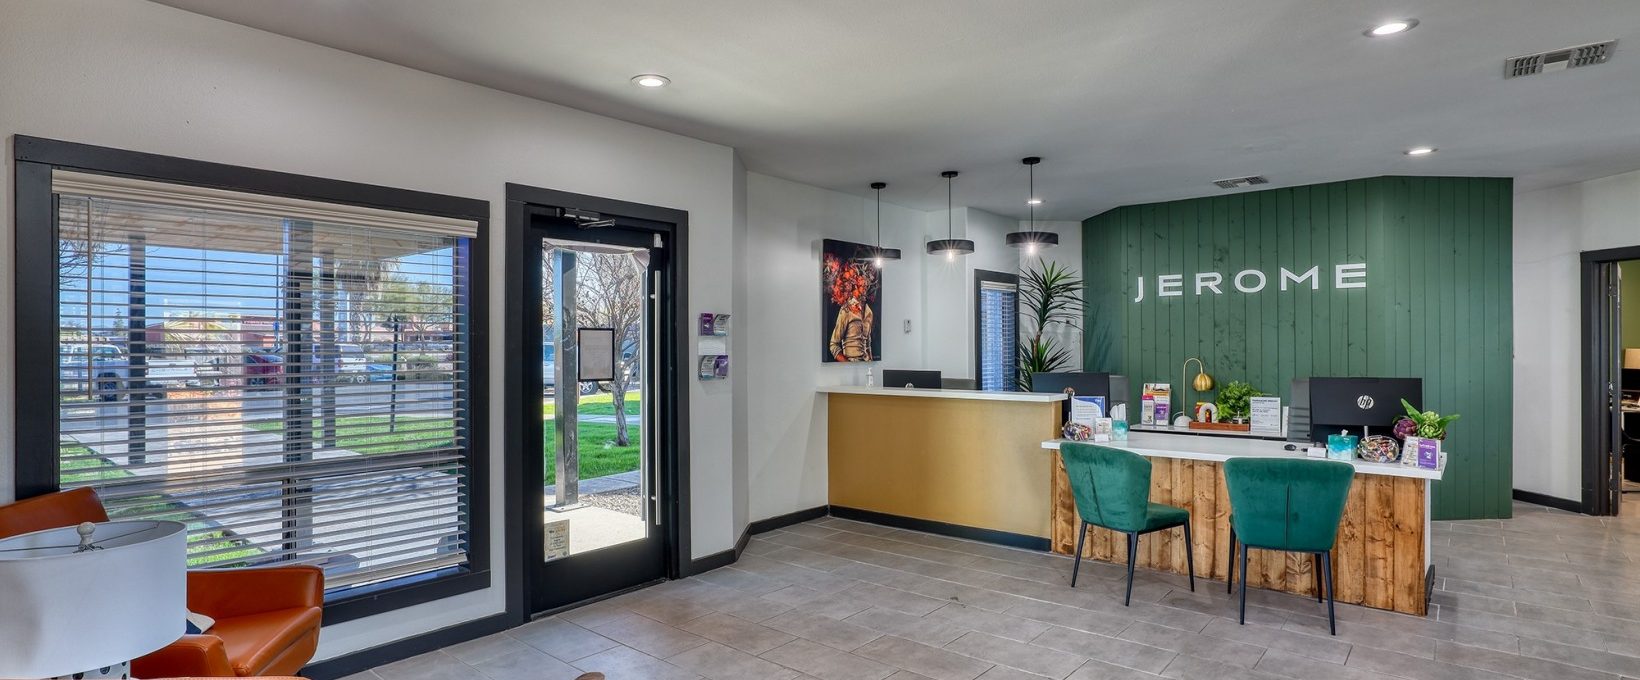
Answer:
(850, 298)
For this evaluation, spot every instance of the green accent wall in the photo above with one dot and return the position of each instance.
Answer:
(1436, 303)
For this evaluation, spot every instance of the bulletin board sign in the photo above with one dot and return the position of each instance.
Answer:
(597, 353)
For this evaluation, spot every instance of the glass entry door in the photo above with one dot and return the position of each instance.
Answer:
(598, 312)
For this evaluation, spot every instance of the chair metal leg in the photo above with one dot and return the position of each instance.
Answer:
(1332, 621)
(1244, 550)
(1315, 565)
(1133, 554)
(1230, 580)
(1077, 566)
(1189, 556)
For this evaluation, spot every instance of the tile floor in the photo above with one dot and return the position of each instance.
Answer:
(1545, 595)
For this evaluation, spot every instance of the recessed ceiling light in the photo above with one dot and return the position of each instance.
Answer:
(1420, 151)
(651, 80)
(1392, 28)
(1033, 201)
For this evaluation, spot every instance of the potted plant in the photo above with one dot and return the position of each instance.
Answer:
(1048, 294)
(1235, 401)
(1424, 424)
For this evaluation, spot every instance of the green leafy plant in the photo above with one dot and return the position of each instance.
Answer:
(1235, 400)
(1431, 425)
(1048, 294)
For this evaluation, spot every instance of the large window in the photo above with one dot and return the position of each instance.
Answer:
(996, 330)
(292, 379)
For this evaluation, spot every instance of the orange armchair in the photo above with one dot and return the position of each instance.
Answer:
(267, 619)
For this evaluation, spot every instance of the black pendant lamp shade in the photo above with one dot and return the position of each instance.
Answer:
(950, 246)
(876, 253)
(1031, 239)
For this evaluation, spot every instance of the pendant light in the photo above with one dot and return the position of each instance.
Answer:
(877, 254)
(950, 245)
(1031, 239)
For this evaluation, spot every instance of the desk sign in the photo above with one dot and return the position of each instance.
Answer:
(1266, 414)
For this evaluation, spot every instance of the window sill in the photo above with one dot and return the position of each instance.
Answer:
(379, 598)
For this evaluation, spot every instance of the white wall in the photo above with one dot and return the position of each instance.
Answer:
(786, 422)
(140, 76)
(1067, 255)
(948, 306)
(1552, 227)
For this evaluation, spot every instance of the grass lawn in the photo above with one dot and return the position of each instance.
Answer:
(599, 454)
(601, 404)
(157, 508)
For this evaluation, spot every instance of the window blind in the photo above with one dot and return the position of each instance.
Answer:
(999, 335)
(287, 378)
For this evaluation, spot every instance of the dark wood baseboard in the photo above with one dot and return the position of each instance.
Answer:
(779, 521)
(1548, 501)
(1006, 538)
(366, 659)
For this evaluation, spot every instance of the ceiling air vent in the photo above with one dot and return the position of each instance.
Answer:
(1238, 182)
(1558, 60)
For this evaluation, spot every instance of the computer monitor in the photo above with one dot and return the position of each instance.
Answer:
(1326, 406)
(1113, 387)
(958, 384)
(922, 380)
(1631, 380)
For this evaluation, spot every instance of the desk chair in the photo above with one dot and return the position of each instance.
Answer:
(1287, 504)
(1112, 490)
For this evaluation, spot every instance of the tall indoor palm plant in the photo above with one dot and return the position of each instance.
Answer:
(1048, 294)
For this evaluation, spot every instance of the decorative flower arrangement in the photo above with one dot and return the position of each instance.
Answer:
(1425, 424)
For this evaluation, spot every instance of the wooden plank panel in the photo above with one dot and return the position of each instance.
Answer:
(1184, 493)
(1379, 545)
(1409, 546)
(1349, 556)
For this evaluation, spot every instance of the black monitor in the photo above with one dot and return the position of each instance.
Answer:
(1326, 406)
(922, 380)
(1631, 380)
(1113, 387)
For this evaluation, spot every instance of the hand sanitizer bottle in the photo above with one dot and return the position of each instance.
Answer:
(871, 377)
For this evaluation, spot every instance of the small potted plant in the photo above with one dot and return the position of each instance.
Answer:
(1422, 432)
(1235, 401)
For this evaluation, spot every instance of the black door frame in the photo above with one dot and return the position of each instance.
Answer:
(982, 276)
(523, 501)
(1601, 490)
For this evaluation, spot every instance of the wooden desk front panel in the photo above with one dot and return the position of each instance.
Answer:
(1378, 560)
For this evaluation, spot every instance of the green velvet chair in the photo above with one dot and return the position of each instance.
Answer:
(1112, 489)
(1291, 505)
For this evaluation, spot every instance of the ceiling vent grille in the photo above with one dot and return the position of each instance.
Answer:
(1238, 182)
(1558, 60)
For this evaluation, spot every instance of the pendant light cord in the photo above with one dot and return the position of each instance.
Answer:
(879, 219)
(950, 232)
(1031, 198)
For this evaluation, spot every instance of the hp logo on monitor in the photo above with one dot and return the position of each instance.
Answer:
(1364, 402)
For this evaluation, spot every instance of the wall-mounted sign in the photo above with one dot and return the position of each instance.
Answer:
(597, 354)
(1248, 281)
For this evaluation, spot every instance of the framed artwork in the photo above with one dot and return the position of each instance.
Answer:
(850, 301)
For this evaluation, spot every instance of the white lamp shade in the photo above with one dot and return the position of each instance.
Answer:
(1631, 357)
(66, 612)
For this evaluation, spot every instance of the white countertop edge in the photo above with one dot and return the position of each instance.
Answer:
(1361, 466)
(1041, 397)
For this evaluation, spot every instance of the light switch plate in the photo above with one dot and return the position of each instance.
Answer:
(907, 325)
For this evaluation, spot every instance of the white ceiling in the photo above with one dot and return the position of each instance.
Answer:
(1128, 102)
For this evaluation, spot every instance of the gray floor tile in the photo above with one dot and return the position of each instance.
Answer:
(719, 662)
(925, 630)
(1194, 644)
(625, 662)
(526, 662)
(738, 633)
(824, 630)
(562, 639)
(929, 661)
(1107, 650)
(1015, 654)
(648, 636)
(827, 663)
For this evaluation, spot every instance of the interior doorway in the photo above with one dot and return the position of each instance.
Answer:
(1611, 379)
(596, 455)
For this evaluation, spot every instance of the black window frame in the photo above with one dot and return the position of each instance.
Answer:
(36, 296)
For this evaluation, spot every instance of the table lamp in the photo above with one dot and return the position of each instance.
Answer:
(84, 601)
(1631, 357)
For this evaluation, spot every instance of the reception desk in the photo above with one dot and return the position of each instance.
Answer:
(963, 462)
(1381, 559)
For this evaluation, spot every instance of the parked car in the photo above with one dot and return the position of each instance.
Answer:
(264, 368)
(105, 371)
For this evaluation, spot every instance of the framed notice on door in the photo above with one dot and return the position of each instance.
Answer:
(597, 352)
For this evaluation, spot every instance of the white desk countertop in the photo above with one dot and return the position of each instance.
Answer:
(1219, 449)
(1042, 397)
